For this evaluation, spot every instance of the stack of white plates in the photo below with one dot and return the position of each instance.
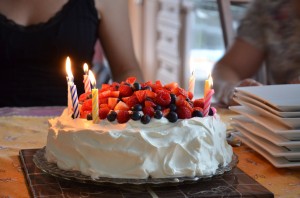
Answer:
(269, 122)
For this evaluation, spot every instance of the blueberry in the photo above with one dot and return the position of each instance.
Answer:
(172, 116)
(211, 112)
(197, 113)
(157, 107)
(111, 116)
(145, 119)
(135, 115)
(158, 114)
(89, 116)
(137, 107)
(172, 107)
(147, 88)
(173, 98)
(137, 86)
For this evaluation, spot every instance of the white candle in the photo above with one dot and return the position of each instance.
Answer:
(95, 105)
(192, 78)
(86, 79)
(72, 91)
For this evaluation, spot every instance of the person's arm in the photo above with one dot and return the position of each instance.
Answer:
(236, 68)
(116, 39)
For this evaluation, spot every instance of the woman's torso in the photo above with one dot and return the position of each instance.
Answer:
(33, 53)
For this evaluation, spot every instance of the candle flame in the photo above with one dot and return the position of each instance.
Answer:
(92, 78)
(68, 68)
(85, 68)
(210, 80)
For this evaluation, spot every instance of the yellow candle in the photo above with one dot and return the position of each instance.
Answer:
(208, 85)
(95, 105)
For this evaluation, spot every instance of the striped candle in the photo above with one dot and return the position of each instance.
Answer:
(207, 102)
(95, 105)
(86, 79)
(72, 90)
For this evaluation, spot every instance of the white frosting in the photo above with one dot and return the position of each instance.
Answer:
(159, 149)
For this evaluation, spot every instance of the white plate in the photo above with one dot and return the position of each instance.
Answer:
(288, 114)
(268, 123)
(280, 97)
(262, 132)
(293, 123)
(276, 151)
(279, 162)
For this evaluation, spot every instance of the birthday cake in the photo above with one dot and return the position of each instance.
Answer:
(143, 130)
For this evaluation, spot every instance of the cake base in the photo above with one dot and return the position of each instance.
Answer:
(52, 169)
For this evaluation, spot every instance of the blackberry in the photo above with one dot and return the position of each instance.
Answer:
(211, 112)
(173, 98)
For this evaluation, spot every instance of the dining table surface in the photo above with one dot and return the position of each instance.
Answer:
(27, 128)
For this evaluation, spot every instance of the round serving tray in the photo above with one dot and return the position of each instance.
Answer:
(52, 169)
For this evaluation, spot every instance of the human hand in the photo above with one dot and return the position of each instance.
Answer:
(243, 83)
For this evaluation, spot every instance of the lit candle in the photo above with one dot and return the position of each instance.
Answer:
(72, 91)
(95, 108)
(86, 79)
(208, 93)
(208, 85)
(192, 79)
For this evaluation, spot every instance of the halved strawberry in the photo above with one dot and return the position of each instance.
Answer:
(112, 102)
(131, 101)
(199, 102)
(87, 105)
(171, 86)
(190, 95)
(104, 94)
(166, 111)
(125, 90)
(141, 95)
(163, 98)
(183, 112)
(123, 116)
(148, 110)
(121, 106)
(180, 91)
(103, 100)
(149, 103)
(84, 96)
(131, 80)
(150, 94)
(103, 106)
(103, 112)
(114, 94)
(180, 100)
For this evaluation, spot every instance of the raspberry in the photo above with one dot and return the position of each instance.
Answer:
(103, 113)
(163, 98)
(148, 111)
(183, 112)
(123, 116)
(125, 90)
(87, 105)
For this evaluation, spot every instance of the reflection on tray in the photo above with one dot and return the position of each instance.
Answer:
(52, 169)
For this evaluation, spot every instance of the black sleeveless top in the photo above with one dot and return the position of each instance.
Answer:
(32, 58)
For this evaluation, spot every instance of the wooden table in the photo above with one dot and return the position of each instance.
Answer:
(24, 132)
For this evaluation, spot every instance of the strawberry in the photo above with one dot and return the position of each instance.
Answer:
(199, 102)
(171, 86)
(83, 114)
(141, 95)
(148, 111)
(166, 112)
(150, 94)
(104, 94)
(125, 90)
(103, 112)
(149, 103)
(190, 95)
(183, 112)
(180, 100)
(121, 106)
(87, 105)
(112, 102)
(123, 116)
(131, 80)
(84, 96)
(103, 100)
(131, 101)
(180, 91)
(163, 98)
